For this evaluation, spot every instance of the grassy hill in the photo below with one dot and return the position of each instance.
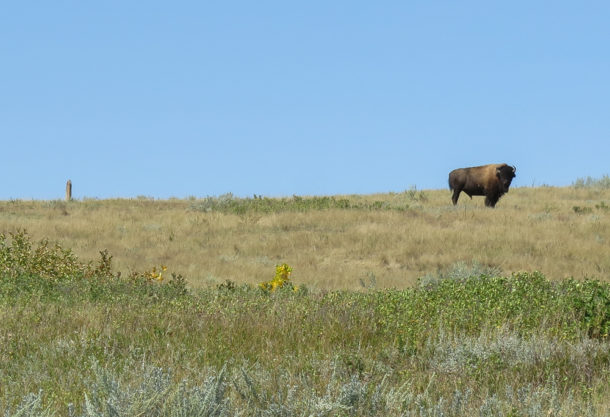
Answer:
(84, 333)
(339, 242)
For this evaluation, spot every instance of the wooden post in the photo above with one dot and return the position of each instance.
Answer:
(69, 190)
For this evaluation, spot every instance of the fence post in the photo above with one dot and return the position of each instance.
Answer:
(69, 190)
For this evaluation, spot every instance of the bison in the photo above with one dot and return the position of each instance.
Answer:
(491, 180)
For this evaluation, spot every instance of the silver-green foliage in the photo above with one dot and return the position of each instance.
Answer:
(155, 395)
(31, 406)
(459, 272)
(158, 395)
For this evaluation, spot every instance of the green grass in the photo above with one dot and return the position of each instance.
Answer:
(80, 340)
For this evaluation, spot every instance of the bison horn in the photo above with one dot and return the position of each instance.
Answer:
(514, 169)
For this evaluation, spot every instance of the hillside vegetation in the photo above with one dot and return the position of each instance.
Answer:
(77, 339)
(339, 242)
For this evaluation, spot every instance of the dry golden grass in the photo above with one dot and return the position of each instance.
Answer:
(530, 229)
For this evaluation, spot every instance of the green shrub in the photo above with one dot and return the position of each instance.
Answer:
(19, 257)
(582, 210)
(49, 271)
(589, 302)
(523, 302)
(602, 206)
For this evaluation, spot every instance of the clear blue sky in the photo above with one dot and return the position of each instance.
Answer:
(199, 98)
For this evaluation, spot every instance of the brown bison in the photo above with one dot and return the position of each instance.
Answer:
(491, 180)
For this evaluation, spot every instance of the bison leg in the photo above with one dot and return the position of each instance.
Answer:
(490, 201)
(456, 195)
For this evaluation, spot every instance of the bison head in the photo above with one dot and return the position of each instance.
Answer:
(505, 175)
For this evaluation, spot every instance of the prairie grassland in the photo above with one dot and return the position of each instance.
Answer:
(82, 342)
(76, 339)
(384, 240)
